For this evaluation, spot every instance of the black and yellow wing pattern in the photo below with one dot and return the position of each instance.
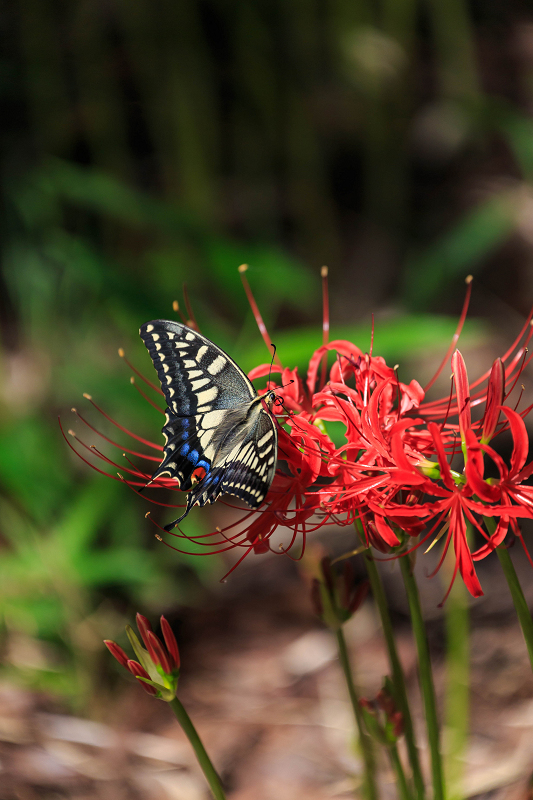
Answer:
(214, 419)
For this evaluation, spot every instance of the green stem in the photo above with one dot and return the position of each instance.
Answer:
(398, 677)
(520, 604)
(403, 789)
(456, 617)
(426, 676)
(200, 751)
(367, 749)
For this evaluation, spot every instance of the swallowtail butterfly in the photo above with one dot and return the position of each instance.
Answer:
(214, 419)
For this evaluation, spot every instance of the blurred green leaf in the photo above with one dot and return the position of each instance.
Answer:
(461, 250)
(395, 340)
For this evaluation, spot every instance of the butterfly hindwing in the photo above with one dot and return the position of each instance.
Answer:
(250, 468)
(214, 418)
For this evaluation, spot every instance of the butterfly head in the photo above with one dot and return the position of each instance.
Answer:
(270, 399)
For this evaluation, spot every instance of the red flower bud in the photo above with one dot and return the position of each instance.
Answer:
(139, 672)
(347, 584)
(359, 597)
(143, 624)
(316, 598)
(327, 573)
(495, 397)
(117, 652)
(396, 720)
(157, 652)
(463, 393)
(171, 643)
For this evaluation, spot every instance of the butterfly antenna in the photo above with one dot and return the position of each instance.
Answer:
(273, 346)
(284, 385)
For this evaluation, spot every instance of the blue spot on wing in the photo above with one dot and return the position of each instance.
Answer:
(185, 449)
(193, 455)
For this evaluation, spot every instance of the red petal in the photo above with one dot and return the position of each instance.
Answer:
(385, 531)
(341, 346)
(520, 439)
(463, 555)
(497, 538)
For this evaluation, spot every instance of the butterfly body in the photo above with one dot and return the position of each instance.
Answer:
(214, 419)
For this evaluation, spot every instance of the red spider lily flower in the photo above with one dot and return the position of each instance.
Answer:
(392, 476)
(158, 667)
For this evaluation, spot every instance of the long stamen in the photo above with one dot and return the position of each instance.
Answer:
(121, 427)
(143, 394)
(257, 314)
(111, 441)
(138, 373)
(456, 335)
(325, 323)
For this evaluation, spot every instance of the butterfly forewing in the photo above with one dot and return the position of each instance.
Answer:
(214, 419)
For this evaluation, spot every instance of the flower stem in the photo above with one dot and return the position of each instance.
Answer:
(520, 604)
(398, 678)
(403, 789)
(456, 616)
(426, 676)
(367, 749)
(201, 754)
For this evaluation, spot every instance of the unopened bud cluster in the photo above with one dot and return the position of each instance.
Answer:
(384, 722)
(336, 598)
(158, 665)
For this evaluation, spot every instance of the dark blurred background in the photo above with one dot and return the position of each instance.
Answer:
(148, 144)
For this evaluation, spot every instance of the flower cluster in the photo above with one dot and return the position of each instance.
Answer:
(158, 667)
(409, 471)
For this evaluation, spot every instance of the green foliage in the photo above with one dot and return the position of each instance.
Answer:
(269, 151)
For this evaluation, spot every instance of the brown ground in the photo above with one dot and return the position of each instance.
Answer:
(261, 681)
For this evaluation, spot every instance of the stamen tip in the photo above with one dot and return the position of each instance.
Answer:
(324, 272)
(147, 515)
(74, 410)
(469, 279)
(121, 352)
(71, 432)
(243, 268)
(120, 476)
(87, 396)
(132, 380)
(175, 305)
(158, 537)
